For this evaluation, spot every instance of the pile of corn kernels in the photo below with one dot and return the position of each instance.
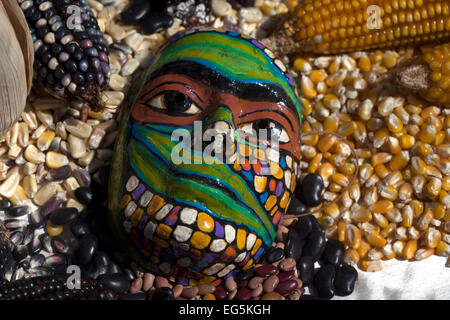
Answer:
(398, 205)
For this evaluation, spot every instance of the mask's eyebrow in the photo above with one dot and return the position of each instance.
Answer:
(145, 95)
(244, 90)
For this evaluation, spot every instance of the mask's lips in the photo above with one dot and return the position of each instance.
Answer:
(195, 185)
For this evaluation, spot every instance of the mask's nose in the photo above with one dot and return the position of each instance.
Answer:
(218, 134)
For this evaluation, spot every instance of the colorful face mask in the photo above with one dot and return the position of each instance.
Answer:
(207, 159)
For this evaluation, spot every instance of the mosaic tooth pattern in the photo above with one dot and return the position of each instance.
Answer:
(182, 240)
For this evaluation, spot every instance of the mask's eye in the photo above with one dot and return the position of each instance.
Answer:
(266, 130)
(174, 103)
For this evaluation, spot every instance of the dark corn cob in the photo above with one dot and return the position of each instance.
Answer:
(71, 55)
(54, 288)
(5, 251)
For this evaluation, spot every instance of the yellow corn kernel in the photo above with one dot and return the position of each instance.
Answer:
(334, 66)
(446, 183)
(380, 137)
(310, 139)
(374, 124)
(332, 102)
(363, 249)
(399, 161)
(388, 252)
(403, 115)
(33, 155)
(370, 196)
(424, 220)
(56, 160)
(440, 138)
(315, 162)
(394, 178)
(422, 254)
(352, 236)
(430, 111)
(326, 170)
(424, 149)
(371, 266)
(433, 187)
(331, 123)
(428, 133)
(412, 129)
(375, 239)
(53, 230)
(365, 172)
(306, 127)
(398, 247)
(333, 211)
(444, 198)
(405, 192)
(438, 210)
(390, 229)
(301, 65)
(342, 226)
(380, 220)
(393, 123)
(347, 128)
(360, 133)
(306, 107)
(308, 88)
(18, 197)
(383, 206)
(361, 214)
(432, 171)
(410, 249)
(365, 110)
(418, 166)
(337, 78)
(45, 139)
(317, 75)
(417, 207)
(394, 145)
(381, 158)
(413, 109)
(340, 179)
(334, 187)
(364, 63)
(388, 192)
(407, 141)
(308, 152)
(382, 171)
(347, 169)
(351, 256)
(432, 238)
(390, 59)
(326, 142)
(443, 249)
(408, 216)
(364, 153)
(443, 150)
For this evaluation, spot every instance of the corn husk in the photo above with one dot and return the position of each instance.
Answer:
(16, 63)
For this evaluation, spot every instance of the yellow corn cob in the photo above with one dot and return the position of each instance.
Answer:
(438, 60)
(336, 26)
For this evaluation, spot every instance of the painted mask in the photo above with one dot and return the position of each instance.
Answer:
(206, 217)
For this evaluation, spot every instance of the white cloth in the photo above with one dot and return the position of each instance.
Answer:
(428, 279)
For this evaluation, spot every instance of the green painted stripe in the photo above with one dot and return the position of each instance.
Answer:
(162, 146)
(180, 188)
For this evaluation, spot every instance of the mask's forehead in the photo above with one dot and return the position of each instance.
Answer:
(233, 56)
